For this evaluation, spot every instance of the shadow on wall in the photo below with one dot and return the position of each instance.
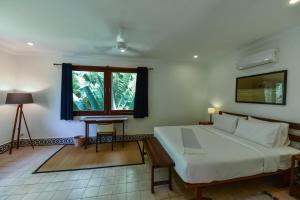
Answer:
(41, 97)
(3, 94)
(2, 97)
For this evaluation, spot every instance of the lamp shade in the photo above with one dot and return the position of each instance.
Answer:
(211, 111)
(19, 98)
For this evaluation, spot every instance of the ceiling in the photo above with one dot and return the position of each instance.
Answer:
(168, 29)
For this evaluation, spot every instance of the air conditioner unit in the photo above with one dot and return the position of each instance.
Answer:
(261, 58)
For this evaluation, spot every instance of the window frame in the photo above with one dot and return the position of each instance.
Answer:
(108, 70)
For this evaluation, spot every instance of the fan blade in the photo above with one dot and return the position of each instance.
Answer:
(134, 51)
(103, 49)
(98, 51)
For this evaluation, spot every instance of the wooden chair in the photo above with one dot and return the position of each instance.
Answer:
(105, 130)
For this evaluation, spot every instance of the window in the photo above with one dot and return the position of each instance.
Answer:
(88, 90)
(103, 90)
(123, 91)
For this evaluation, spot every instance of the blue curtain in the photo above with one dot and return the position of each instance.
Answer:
(66, 111)
(141, 93)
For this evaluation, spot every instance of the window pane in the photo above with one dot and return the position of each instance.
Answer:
(123, 91)
(88, 91)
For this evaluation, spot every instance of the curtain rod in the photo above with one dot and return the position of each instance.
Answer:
(58, 64)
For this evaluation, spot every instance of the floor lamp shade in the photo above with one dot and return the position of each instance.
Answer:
(19, 98)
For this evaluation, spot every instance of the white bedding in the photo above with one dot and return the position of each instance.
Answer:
(227, 156)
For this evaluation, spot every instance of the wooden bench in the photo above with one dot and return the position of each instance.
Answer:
(158, 158)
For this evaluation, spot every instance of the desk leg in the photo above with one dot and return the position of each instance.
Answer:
(123, 134)
(86, 135)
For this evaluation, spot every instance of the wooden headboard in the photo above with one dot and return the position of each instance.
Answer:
(293, 125)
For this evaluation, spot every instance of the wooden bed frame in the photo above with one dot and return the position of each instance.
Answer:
(285, 174)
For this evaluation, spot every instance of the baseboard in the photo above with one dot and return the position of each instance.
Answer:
(4, 147)
(62, 141)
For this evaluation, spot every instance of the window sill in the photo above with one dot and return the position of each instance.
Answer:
(100, 113)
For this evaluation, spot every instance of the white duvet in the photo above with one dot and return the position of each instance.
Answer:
(227, 156)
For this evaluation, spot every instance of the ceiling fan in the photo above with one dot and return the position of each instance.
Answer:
(121, 44)
(119, 47)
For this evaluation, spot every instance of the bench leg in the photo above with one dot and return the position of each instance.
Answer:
(199, 196)
(283, 180)
(170, 178)
(143, 151)
(152, 180)
(97, 143)
(112, 142)
(163, 182)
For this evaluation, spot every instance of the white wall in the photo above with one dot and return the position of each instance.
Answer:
(221, 77)
(179, 93)
(7, 77)
(176, 94)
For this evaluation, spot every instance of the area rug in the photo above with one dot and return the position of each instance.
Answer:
(70, 157)
(260, 196)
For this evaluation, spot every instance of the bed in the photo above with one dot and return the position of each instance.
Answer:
(242, 159)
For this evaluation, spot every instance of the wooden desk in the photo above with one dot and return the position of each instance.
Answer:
(102, 120)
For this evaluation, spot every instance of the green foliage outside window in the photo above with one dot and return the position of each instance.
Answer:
(88, 91)
(123, 91)
(89, 94)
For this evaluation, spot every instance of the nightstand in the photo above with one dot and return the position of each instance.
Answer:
(295, 177)
(205, 123)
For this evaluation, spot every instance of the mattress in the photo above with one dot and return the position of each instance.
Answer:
(226, 156)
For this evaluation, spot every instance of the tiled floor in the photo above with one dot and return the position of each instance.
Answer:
(131, 182)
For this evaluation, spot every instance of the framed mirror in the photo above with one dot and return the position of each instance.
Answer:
(267, 88)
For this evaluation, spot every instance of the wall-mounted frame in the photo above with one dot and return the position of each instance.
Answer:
(267, 88)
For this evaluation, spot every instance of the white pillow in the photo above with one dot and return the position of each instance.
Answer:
(260, 133)
(226, 123)
(282, 135)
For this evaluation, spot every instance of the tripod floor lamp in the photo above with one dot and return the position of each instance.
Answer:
(19, 99)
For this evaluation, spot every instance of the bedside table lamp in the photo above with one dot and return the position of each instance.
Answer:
(19, 99)
(211, 111)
